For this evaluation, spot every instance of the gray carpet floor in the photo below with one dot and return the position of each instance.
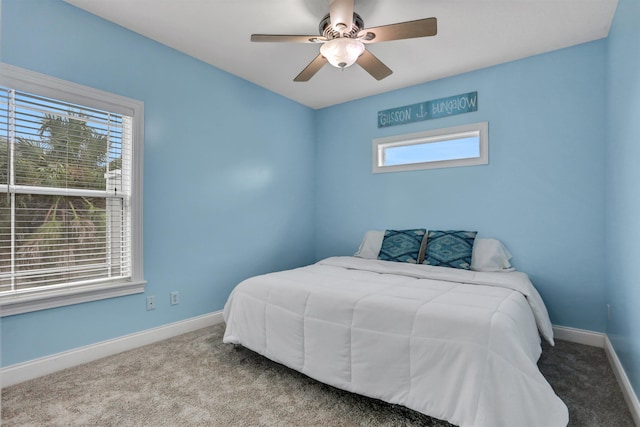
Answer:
(196, 380)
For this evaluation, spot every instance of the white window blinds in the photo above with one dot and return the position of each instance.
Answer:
(65, 194)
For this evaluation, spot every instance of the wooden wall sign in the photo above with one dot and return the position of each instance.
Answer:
(434, 109)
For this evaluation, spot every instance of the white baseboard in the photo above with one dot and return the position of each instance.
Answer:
(623, 381)
(580, 336)
(597, 339)
(20, 372)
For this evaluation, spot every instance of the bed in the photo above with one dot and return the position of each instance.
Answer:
(458, 345)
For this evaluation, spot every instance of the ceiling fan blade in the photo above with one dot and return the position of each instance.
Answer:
(311, 69)
(341, 14)
(402, 30)
(373, 65)
(286, 38)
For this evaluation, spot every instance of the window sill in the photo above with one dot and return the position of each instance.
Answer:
(24, 303)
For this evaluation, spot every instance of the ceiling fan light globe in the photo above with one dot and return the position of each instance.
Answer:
(342, 52)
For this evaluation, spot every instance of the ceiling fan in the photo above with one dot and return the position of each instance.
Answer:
(343, 38)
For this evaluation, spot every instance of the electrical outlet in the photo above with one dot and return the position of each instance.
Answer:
(175, 298)
(151, 303)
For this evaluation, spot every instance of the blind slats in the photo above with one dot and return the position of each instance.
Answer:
(65, 172)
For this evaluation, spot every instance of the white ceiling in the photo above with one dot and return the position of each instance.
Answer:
(472, 34)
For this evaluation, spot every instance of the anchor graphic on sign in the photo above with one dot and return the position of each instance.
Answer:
(422, 113)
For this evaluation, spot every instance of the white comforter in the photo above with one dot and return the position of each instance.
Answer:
(457, 345)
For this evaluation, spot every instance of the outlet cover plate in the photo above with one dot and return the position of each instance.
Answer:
(175, 298)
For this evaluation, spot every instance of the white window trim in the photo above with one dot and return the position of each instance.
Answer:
(437, 135)
(34, 299)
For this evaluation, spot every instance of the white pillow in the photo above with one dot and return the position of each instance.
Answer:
(371, 244)
(490, 255)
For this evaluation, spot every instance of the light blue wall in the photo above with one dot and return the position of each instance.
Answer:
(223, 199)
(623, 194)
(542, 192)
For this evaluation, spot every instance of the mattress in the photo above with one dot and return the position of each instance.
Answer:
(457, 345)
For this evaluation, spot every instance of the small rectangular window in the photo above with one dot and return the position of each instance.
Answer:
(451, 147)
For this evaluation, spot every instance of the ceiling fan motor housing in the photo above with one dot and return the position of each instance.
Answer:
(330, 33)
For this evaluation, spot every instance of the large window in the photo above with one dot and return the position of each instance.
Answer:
(70, 193)
(450, 147)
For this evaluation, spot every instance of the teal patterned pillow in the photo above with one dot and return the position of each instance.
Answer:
(402, 245)
(450, 248)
